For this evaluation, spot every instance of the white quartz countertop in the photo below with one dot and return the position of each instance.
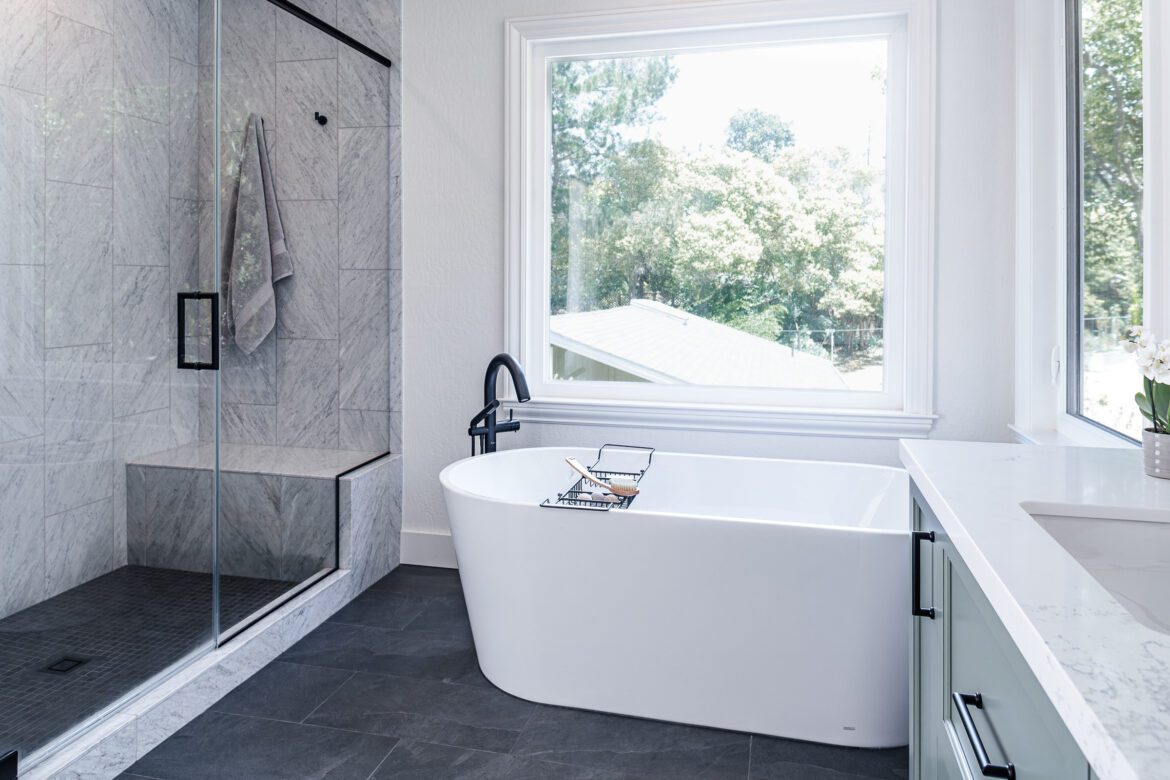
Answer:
(1107, 674)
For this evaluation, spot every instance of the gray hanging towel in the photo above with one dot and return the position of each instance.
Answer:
(255, 255)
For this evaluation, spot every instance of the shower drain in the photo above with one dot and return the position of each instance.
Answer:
(65, 664)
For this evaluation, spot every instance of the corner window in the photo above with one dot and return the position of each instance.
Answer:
(709, 209)
(1107, 246)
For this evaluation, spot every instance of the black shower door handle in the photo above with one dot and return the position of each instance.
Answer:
(181, 321)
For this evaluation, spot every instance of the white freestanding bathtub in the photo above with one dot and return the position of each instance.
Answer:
(766, 596)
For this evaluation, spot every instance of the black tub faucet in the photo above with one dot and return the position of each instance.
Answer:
(487, 432)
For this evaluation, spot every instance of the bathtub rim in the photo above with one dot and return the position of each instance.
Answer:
(445, 480)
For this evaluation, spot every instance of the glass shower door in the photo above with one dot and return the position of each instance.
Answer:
(303, 273)
(106, 500)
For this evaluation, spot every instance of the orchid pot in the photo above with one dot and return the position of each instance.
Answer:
(1153, 358)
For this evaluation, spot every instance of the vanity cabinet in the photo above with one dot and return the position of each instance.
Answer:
(976, 710)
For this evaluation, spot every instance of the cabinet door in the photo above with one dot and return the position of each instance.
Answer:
(928, 711)
(1016, 723)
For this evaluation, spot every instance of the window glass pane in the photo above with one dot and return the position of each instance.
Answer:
(1111, 222)
(718, 217)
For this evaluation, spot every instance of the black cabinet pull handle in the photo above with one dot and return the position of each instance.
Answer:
(916, 608)
(181, 324)
(962, 701)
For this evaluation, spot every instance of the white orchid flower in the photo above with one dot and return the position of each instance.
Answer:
(1137, 339)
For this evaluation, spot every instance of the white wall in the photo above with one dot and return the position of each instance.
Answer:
(453, 232)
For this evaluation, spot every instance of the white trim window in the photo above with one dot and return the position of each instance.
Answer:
(1093, 206)
(723, 215)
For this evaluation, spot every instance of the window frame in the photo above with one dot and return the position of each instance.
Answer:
(905, 406)
(1048, 200)
(1074, 293)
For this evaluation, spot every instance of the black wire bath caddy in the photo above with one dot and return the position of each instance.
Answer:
(580, 495)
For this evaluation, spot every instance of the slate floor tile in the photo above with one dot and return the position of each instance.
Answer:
(421, 581)
(787, 759)
(384, 651)
(220, 745)
(444, 616)
(634, 746)
(405, 669)
(456, 715)
(426, 761)
(381, 609)
(283, 691)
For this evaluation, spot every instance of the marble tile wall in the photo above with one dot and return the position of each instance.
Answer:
(98, 197)
(330, 375)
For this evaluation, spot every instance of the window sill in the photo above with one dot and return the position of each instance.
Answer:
(845, 423)
(1071, 433)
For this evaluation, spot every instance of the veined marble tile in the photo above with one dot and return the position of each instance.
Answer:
(306, 302)
(207, 246)
(371, 515)
(22, 368)
(396, 95)
(141, 174)
(142, 343)
(309, 542)
(95, 13)
(396, 432)
(365, 340)
(22, 491)
(205, 97)
(395, 380)
(79, 92)
(169, 517)
(77, 264)
(306, 166)
(364, 197)
(142, 30)
(249, 379)
(365, 430)
(184, 409)
(297, 40)
(251, 525)
(113, 753)
(248, 424)
(79, 545)
(134, 437)
(363, 88)
(22, 45)
(22, 169)
(395, 240)
(184, 245)
(185, 31)
(307, 396)
(376, 23)
(78, 427)
(206, 32)
(247, 56)
(184, 131)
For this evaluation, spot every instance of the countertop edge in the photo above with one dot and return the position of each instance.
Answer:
(1105, 757)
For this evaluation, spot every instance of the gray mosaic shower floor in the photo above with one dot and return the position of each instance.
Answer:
(127, 625)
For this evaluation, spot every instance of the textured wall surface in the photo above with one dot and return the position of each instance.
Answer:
(106, 197)
(328, 378)
(454, 223)
(98, 159)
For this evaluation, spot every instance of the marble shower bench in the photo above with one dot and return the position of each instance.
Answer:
(286, 513)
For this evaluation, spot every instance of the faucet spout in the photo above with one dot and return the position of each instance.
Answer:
(487, 433)
(518, 379)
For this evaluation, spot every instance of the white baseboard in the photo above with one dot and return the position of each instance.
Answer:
(426, 549)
